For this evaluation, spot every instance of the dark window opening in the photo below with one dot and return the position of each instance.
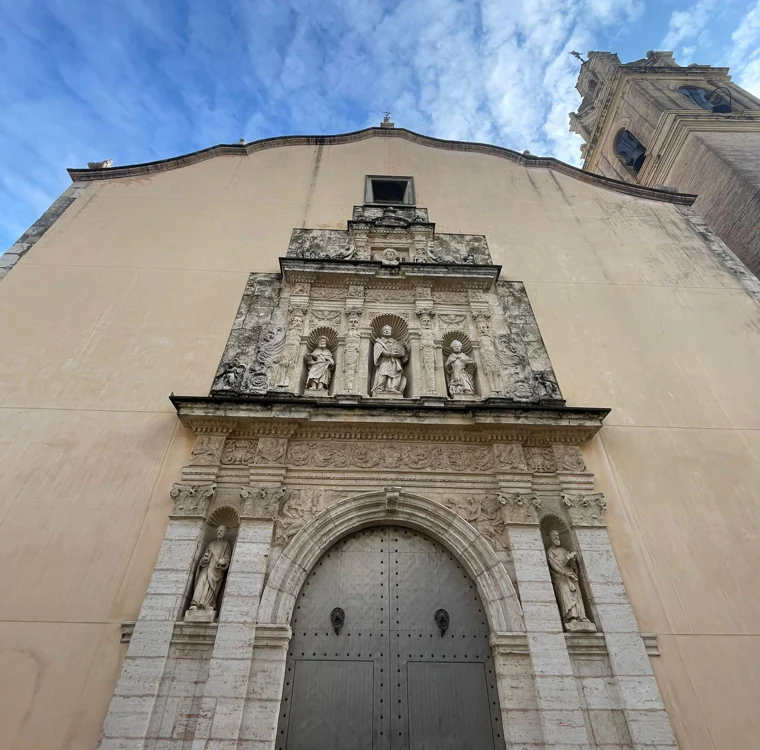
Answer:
(630, 150)
(718, 101)
(389, 190)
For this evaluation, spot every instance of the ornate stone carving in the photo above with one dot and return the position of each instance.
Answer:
(371, 455)
(292, 344)
(266, 358)
(450, 320)
(328, 292)
(563, 566)
(427, 352)
(389, 357)
(390, 295)
(328, 317)
(488, 353)
(210, 575)
(569, 458)
(351, 352)
(460, 369)
(391, 499)
(320, 364)
(207, 450)
(271, 450)
(484, 513)
(237, 451)
(191, 500)
(540, 459)
(294, 514)
(585, 510)
(510, 457)
(261, 502)
(230, 376)
(520, 508)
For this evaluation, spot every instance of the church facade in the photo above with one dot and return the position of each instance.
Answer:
(459, 452)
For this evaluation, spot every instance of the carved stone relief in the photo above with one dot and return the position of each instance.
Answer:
(351, 352)
(371, 455)
(271, 451)
(484, 513)
(510, 457)
(320, 364)
(427, 351)
(460, 371)
(540, 459)
(261, 502)
(569, 458)
(207, 450)
(291, 346)
(238, 451)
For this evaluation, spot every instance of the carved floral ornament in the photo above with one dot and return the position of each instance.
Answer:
(191, 500)
(585, 510)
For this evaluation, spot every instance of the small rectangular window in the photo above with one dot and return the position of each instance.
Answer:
(389, 190)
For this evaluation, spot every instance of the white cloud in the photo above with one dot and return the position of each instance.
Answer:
(689, 25)
(744, 55)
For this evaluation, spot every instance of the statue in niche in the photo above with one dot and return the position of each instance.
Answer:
(563, 566)
(321, 365)
(389, 356)
(210, 574)
(461, 371)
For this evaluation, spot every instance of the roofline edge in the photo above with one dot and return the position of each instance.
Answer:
(237, 149)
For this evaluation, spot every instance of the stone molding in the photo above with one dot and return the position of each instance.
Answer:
(585, 509)
(524, 160)
(191, 501)
(442, 524)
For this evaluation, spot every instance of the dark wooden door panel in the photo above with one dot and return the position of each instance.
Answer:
(332, 706)
(448, 707)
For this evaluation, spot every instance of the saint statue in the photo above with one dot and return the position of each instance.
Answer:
(389, 357)
(563, 566)
(210, 573)
(321, 364)
(461, 371)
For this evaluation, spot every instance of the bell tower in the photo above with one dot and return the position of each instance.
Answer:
(655, 123)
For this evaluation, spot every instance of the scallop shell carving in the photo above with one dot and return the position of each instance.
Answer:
(399, 327)
(460, 336)
(224, 516)
(328, 332)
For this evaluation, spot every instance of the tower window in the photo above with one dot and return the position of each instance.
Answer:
(715, 100)
(630, 150)
(389, 190)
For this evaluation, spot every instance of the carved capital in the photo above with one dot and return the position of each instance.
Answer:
(191, 501)
(585, 510)
(520, 508)
(261, 502)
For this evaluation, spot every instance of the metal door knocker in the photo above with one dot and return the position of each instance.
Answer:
(442, 620)
(337, 618)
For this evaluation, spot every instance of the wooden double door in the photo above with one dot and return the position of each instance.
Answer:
(389, 651)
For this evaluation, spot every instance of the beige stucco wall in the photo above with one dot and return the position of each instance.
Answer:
(131, 294)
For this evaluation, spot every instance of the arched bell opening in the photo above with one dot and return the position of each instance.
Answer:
(630, 150)
(390, 649)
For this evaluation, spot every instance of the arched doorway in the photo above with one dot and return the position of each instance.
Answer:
(410, 664)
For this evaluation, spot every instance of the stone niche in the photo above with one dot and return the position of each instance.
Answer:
(437, 293)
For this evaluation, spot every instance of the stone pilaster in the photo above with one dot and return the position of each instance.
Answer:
(557, 695)
(648, 723)
(134, 699)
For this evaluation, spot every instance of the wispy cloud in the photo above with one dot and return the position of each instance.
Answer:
(745, 52)
(144, 80)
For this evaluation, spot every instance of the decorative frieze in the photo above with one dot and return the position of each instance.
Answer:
(372, 455)
(207, 450)
(540, 459)
(510, 457)
(569, 458)
(271, 450)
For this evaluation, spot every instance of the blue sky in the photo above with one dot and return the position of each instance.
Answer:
(139, 80)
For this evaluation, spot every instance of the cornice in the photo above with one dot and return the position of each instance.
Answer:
(674, 127)
(490, 420)
(525, 160)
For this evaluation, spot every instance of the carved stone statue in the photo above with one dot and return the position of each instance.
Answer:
(209, 576)
(563, 566)
(321, 365)
(389, 357)
(461, 371)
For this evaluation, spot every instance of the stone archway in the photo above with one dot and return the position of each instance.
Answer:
(404, 509)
